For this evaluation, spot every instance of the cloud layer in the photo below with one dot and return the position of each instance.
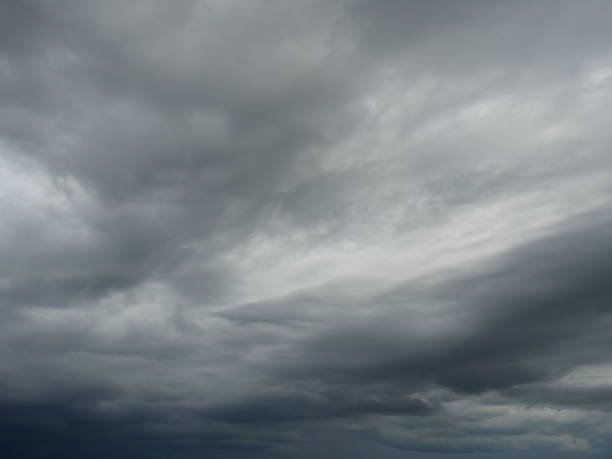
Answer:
(292, 229)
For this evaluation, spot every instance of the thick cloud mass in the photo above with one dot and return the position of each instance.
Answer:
(336, 229)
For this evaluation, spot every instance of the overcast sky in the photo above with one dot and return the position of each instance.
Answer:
(305, 229)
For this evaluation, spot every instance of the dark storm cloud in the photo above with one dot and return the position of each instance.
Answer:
(477, 36)
(276, 408)
(237, 229)
(49, 429)
(542, 309)
(172, 153)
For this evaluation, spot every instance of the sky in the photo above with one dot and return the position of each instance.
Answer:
(309, 228)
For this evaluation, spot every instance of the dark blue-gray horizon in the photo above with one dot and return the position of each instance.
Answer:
(336, 229)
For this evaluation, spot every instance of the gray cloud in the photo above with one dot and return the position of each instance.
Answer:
(354, 228)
